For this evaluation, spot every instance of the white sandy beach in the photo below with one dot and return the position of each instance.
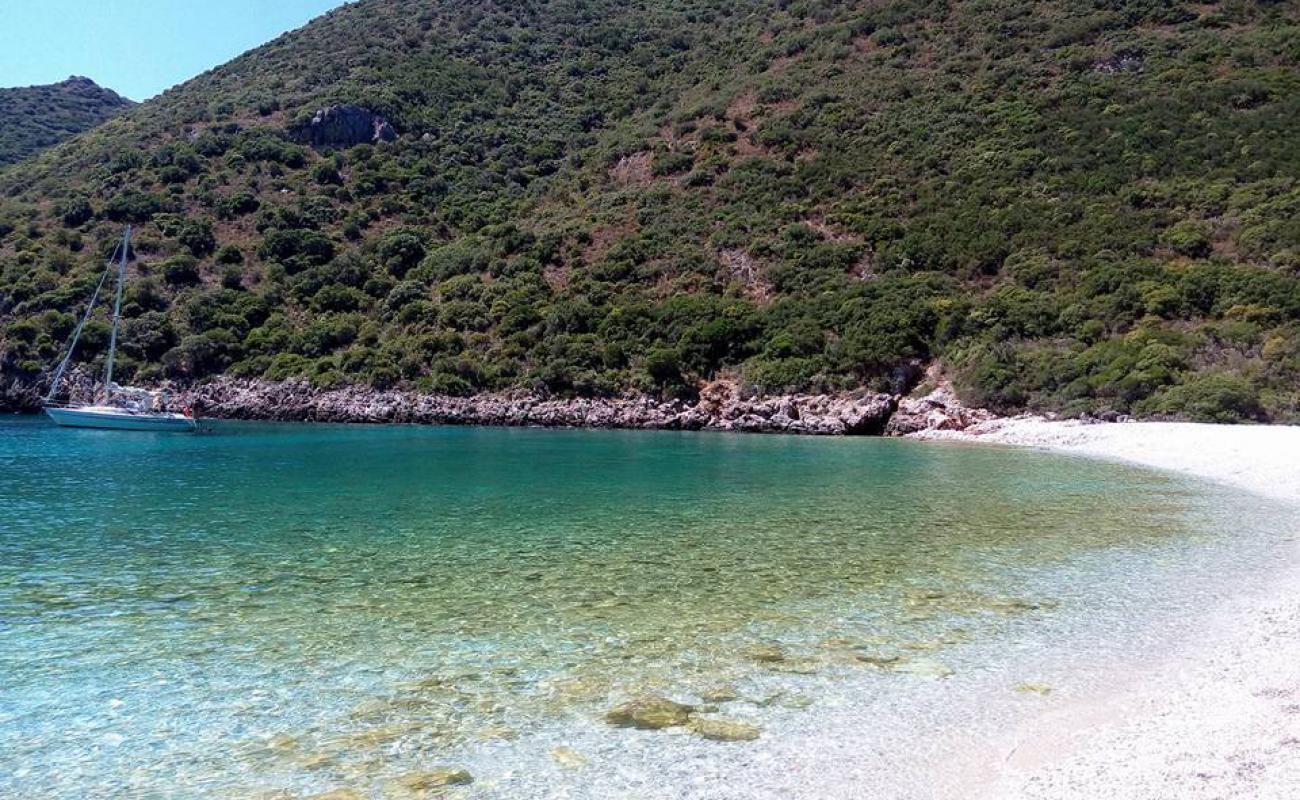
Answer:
(1220, 718)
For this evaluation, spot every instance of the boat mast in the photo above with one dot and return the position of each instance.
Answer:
(117, 312)
(63, 365)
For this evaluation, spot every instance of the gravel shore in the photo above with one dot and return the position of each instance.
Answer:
(1219, 718)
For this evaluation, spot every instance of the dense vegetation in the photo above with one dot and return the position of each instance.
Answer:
(1075, 205)
(33, 118)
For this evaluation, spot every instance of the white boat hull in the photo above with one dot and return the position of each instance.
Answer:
(118, 419)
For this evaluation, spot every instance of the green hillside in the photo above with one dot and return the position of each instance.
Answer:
(1078, 206)
(33, 118)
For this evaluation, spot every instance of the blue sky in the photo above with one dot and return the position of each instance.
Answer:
(137, 47)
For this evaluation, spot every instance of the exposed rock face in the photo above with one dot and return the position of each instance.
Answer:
(1124, 62)
(940, 410)
(79, 386)
(721, 406)
(19, 395)
(344, 126)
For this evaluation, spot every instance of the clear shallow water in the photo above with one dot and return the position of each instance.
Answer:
(297, 608)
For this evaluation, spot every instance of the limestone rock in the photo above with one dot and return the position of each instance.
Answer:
(720, 407)
(650, 712)
(938, 410)
(869, 415)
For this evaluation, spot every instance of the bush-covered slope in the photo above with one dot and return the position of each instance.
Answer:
(33, 118)
(1073, 205)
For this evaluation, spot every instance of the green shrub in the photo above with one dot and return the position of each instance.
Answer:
(237, 205)
(780, 375)
(133, 206)
(1207, 397)
(196, 236)
(1189, 239)
(229, 254)
(673, 163)
(181, 271)
(75, 212)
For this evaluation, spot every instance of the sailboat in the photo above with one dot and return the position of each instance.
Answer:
(122, 408)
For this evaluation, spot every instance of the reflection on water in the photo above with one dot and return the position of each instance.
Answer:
(295, 608)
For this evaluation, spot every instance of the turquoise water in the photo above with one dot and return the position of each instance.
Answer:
(278, 610)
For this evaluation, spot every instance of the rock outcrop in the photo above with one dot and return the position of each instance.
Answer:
(343, 126)
(721, 406)
(938, 410)
(79, 386)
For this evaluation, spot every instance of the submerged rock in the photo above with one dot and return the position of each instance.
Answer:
(783, 700)
(569, 758)
(802, 666)
(317, 760)
(382, 734)
(925, 597)
(922, 645)
(1018, 605)
(723, 730)
(924, 668)
(425, 784)
(649, 713)
(720, 694)
(282, 743)
(765, 653)
(1034, 688)
(839, 643)
(338, 794)
(498, 733)
(880, 659)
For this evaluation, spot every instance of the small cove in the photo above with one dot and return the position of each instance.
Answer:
(298, 607)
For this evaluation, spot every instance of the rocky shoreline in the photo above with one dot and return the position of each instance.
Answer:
(722, 406)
